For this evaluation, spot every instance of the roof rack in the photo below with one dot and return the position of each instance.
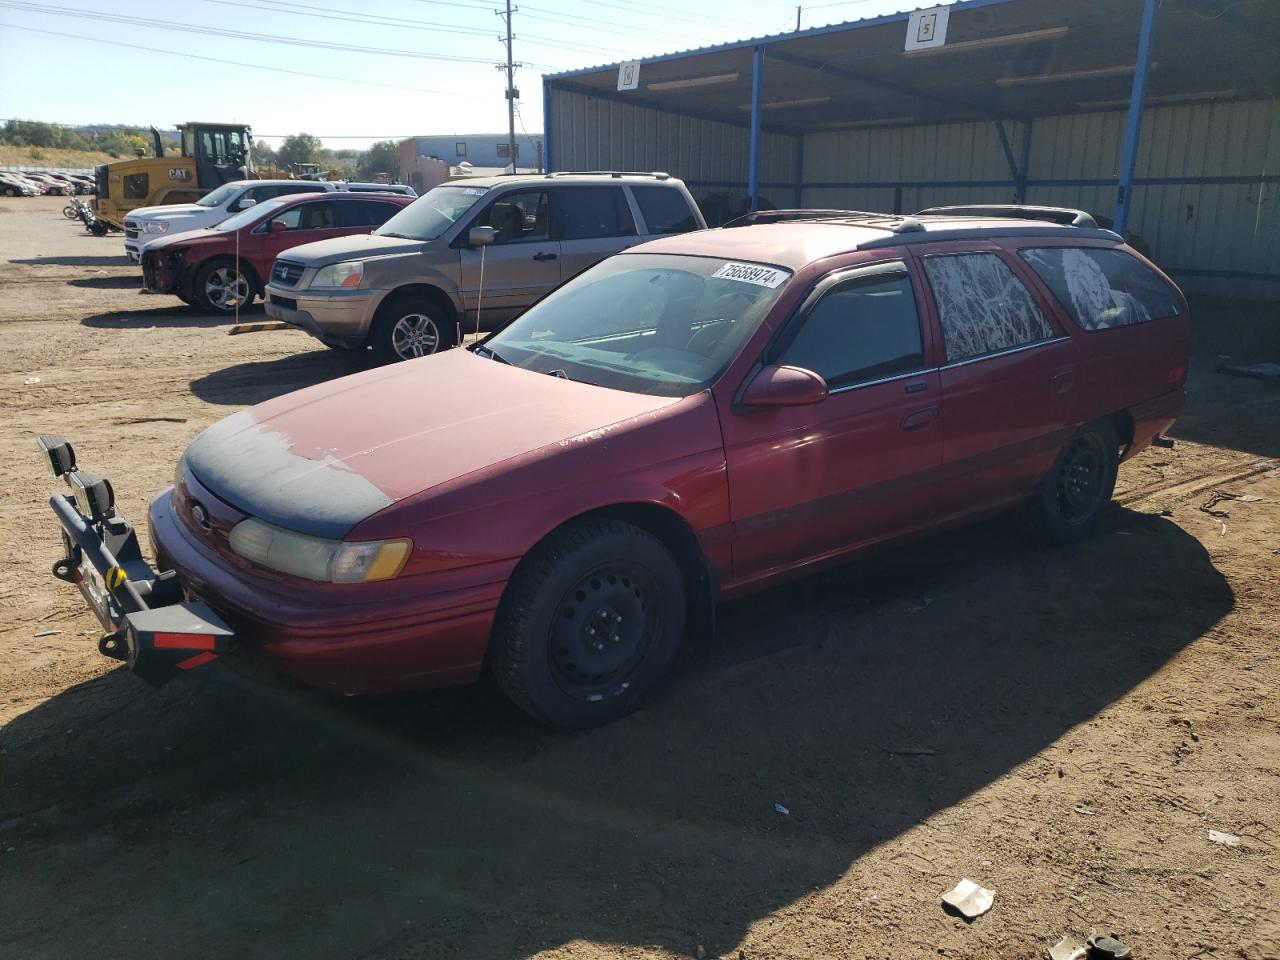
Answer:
(894, 223)
(1061, 215)
(616, 174)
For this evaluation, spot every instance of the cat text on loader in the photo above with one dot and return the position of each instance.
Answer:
(212, 154)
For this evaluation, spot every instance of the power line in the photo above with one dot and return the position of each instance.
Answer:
(234, 34)
(562, 19)
(252, 66)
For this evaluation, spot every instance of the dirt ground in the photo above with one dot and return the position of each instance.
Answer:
(1064, 726)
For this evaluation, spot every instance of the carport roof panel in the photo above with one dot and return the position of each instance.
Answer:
(1010, 58)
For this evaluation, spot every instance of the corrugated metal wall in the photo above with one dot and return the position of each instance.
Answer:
(591, 133)
(1195, 229)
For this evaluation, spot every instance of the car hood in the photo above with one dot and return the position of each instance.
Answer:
(321, 460)
(357, 247)
(170, 211)
(164, 240)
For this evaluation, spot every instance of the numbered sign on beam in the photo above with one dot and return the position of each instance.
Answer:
(927, 28)
(629, 75)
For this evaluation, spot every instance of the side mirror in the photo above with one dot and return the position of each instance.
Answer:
(778, 386)
(246, 203)
(276, 226)
(481, 236)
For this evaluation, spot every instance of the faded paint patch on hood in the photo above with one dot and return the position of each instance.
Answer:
(323, 459)
(356, 247)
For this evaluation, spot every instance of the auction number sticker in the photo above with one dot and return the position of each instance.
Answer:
(751, 273)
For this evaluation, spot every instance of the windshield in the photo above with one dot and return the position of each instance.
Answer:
(648, 323)
(219, 196)
(432, 213)
(251, 214)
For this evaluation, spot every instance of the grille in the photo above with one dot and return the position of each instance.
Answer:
(131, 229)
(286, 272)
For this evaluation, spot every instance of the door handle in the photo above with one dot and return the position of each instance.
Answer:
(914, 421)
(916, 386)
(1063, 382)
(540, 255)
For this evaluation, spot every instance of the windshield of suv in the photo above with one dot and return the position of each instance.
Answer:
(249, 214)
(432, 213)
(649, 323)
(218, 196)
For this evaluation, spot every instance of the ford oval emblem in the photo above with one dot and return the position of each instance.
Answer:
(201, 517)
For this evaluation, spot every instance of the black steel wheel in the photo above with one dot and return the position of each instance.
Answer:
(1077, 489)
(590, 623)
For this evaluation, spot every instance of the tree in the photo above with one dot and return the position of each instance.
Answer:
(299, 148)
(382, 157)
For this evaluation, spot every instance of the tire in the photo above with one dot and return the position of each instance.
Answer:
(1072, 498)
(589, 624)
(10, 191)
(70, 213)
(220, 288)
(406, 328)
(98, 228)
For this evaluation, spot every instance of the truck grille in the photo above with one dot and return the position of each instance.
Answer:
(286, 272)
(131, 229)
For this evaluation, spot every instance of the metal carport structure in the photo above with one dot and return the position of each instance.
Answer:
(1162, 115)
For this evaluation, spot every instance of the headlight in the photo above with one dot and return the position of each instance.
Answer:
(155, 226)
(348, 274)
(315, 558)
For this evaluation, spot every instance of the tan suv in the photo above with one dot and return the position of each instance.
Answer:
(409, 287)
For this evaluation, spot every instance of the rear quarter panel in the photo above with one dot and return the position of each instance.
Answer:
(1139, 368)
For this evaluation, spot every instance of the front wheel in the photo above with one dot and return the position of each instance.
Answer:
(10, 191)
(406, 328)
(222, 287)
(589, 624)
(70, 213)
(1073, 496)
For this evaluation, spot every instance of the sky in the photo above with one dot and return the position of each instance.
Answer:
(424, 66)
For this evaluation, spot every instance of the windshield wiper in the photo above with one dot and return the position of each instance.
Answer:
(398, 236)
(490, 352)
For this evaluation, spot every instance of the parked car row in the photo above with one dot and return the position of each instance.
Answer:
(667, 416)
(146, 223)
(29, 183)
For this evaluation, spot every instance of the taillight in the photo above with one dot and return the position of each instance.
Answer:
(1177, 374)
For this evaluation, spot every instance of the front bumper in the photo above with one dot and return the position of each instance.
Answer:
(403, 634)
(340, 317)
(150, 623)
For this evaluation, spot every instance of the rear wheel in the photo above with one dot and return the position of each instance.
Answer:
(10, 191)
(589, 624)
(223, 287)
(407, 327)
(1073, 496)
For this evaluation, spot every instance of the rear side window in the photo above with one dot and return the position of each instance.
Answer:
(983, 307)
(665, 209)
(861, 330)
(584, 213)
(364, 213)
(1103, 288)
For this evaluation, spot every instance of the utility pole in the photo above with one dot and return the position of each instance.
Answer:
(512, 92)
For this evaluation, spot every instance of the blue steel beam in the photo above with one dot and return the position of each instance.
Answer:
(753, 152)
(1133, 127)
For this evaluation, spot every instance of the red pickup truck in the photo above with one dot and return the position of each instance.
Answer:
(221, 269)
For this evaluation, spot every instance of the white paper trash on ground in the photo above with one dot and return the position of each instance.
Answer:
(969, 899)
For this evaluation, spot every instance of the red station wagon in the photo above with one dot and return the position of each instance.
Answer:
(222, 268)
(695, 418)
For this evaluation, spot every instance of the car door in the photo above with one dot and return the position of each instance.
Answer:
(520, 266)
(591, 223)
(813, 481)
(304, 222)
(1007, 378)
